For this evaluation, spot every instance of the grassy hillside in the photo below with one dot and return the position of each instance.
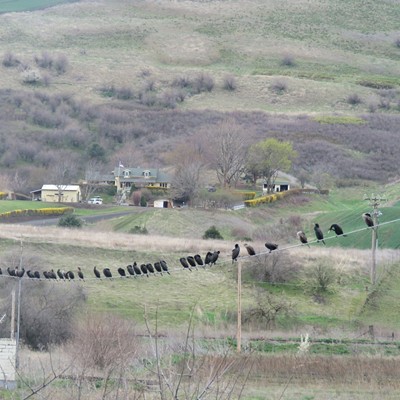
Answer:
(323, 51)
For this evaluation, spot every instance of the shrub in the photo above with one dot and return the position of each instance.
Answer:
(279, 85)
(320, 278)
(354, 99)
(212, 233)
(61, 64)
(70, 221)
(229, 82)
(9, 60)
(140, 230)
(45, 61)
(203, 83)
(31, 76)
(288, 61)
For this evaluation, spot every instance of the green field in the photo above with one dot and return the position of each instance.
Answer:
(323, 52)
(7, 6)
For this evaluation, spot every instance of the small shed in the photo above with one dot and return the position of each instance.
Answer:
(61, 193)
(278, 186)
(162, 203)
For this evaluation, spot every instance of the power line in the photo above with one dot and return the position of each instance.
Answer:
(221, 261)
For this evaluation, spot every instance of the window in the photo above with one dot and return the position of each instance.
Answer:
(146, 173)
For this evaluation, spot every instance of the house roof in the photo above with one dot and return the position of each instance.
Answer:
(137, 174)
(73, 188)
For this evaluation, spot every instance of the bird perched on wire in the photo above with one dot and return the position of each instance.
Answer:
(198, 259)
(157, 267)
(207, 258)
(368, 219)
(150, 268)
(121, 272)
(164, 266)
(235, 253)
(271, 246)
(319, 234)
(80, 274)
(250, 250)
(214, 257)
(61, 274)
(69, 275)
(130, 270)
(191, 261)
(302, 237)
(137, 269)
(107, 273)
(144, 269)
(185, 264)
(337, 229)
(96, 272)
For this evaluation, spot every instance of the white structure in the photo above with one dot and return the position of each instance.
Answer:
(8, 352)
(279, 186)
(162, 203)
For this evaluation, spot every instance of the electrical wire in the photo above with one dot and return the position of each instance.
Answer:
(221, 261)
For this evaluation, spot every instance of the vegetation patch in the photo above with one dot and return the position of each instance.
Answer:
(331, 119)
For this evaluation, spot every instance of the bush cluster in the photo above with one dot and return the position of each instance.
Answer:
(45, 212)
(212, 233)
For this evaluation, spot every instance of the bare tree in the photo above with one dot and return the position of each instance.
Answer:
(92, 178)
(189, 161)
(62, 174)
(228, 152)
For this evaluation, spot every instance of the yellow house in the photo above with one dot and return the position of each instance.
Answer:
(61, 193)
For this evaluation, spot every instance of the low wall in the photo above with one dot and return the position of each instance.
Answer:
(7, 363)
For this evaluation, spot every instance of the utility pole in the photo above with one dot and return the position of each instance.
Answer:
(12, 335)
(374, 201)
(239, 308)
(19, 308)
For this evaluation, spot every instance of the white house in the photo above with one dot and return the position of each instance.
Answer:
(279, 186)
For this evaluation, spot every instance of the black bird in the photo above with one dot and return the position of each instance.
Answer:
(214, 257)
(319, 234)
(130, 269)
(235, 253)
(192, 261)
(198, 259)
(10, 271)
(70, 275)
(122, 272)
(164, 266)
(150, 268)
(143, 268)
(368, 219)
(96, 272)
(250, 250)
(185, 264)
(60, 274)
(337, 229)
(157, 267)
(208, 257)
(19, 272)
(80, 274)
(303, 238)
(107, 273)
(46, 275)
(30, 274)
(137, 270)
(271, 246)
(36, 274)
(1, 272)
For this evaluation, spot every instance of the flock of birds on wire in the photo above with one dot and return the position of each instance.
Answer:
(160, 267)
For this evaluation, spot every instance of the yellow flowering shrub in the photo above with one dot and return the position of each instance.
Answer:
(38, 212)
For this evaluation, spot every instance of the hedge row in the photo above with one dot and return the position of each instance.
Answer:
(270, 198)
(44, 212)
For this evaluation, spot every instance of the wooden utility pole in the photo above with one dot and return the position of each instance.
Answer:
(12, 336)
(239, 308)
(374, 201)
